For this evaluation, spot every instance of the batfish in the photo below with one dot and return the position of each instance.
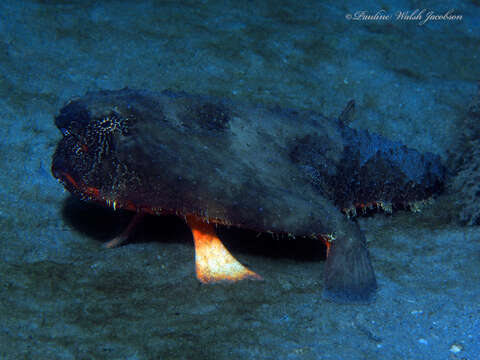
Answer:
(218, 161)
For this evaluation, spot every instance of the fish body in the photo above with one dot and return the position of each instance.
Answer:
(252, 166)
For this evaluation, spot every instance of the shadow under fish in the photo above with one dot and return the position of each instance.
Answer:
(215, 161)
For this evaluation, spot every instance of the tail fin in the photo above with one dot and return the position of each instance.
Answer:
(349, 275)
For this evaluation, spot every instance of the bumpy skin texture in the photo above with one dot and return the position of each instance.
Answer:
(252, 166)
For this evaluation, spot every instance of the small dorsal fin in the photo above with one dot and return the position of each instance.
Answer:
(348, 113)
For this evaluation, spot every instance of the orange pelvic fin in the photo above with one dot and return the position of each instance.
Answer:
(213, 262)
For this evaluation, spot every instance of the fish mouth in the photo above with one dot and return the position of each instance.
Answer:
(68, 180)
(61, 172)
(77, 187)
(68, 177)
(72, 180)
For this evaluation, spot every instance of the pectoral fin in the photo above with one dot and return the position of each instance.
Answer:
(213, 262)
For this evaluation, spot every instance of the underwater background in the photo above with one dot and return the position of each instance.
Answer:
(413, 80)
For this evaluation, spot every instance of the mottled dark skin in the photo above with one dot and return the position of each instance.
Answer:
(251, 166)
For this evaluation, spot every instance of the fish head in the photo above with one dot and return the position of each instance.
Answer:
(85, 160)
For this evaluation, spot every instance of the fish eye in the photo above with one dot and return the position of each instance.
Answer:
(107, 123)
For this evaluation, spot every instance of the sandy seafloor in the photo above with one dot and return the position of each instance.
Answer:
(65, 297)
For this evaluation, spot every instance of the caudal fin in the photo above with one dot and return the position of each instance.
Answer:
(349, 275)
